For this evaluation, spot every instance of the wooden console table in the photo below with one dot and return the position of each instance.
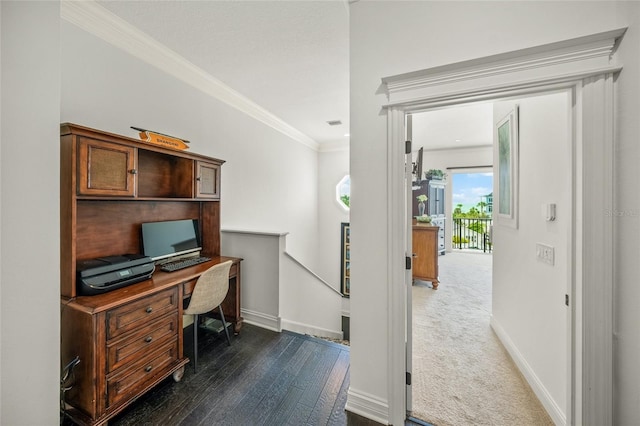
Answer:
(129, 339)
(425, 253)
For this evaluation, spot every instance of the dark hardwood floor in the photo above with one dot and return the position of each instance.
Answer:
(263, 378)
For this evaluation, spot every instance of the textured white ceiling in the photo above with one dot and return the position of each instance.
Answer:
(455, 127)
(289, 57)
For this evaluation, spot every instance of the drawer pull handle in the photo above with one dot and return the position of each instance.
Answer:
(149, 310)
(148, 339)
(133, 171)
(148, 368)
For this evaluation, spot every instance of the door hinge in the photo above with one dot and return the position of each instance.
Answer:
(407, 260)
(408, 378)
(407, 147)
(566, 299)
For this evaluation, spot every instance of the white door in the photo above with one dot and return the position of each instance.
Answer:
(408, 169)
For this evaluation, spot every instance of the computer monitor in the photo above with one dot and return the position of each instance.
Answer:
(162, 240)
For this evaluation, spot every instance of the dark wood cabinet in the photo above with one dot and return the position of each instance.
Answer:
(207, 180)
(129, 339)
(110, 184)
(105, 168)
(425, 253)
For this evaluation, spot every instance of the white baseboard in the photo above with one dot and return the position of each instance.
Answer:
(259, 319)
(278, 324)
(367, 405)
(309, 329)
(558, 417)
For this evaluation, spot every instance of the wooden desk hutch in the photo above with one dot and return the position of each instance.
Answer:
(129, 339)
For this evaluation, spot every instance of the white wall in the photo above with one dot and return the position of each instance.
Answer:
(260, 279)
(456, 158)
(529, 313)
(389, 38)
(626, 211)
(332, 167)
(277, 292)
(29, 226)
(269, 181)
(307, 305)
(1, 399)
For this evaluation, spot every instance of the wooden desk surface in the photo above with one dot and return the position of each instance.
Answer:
(159, 281)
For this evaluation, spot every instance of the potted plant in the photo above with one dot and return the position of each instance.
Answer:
(436, 174)
(421, 199)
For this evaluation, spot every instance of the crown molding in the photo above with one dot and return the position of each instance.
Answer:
(580, 56)
(95, 19)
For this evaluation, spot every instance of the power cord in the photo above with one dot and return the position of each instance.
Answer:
(66, 384)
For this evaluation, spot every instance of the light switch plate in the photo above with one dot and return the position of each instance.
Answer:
(549, 212)
(545, 253)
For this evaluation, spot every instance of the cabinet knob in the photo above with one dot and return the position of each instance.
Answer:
(133, 171)
(149, 310)
(148, 368)
(148, 339)
(198, 178)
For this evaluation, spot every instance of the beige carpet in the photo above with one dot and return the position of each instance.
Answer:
(462, 375)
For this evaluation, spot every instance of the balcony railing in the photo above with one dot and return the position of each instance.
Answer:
(472, 233)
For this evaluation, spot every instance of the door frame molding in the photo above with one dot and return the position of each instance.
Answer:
(585, 65)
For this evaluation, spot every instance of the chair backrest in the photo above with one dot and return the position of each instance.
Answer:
(210, 290)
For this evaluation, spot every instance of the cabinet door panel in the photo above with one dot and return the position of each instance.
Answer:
(207, 180)
(106, 168)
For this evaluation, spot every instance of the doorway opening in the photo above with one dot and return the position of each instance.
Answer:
(470, 336)
(591, 81)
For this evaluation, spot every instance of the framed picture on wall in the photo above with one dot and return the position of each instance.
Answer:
(345, 255)
(506, 156)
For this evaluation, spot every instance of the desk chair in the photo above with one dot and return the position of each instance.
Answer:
(209, 292)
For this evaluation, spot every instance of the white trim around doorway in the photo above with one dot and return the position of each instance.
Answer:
(588, 72)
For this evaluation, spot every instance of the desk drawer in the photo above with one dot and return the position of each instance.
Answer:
(140, 313)
(187, 287)
(133, 380)
(134, 346)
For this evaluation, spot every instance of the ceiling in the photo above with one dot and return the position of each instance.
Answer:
(456, 127)
(289, 57)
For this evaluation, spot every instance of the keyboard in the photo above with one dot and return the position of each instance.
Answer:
(183, 263)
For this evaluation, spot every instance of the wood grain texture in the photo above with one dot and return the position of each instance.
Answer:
(263, 378)
(109, 186)
(425, 254)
